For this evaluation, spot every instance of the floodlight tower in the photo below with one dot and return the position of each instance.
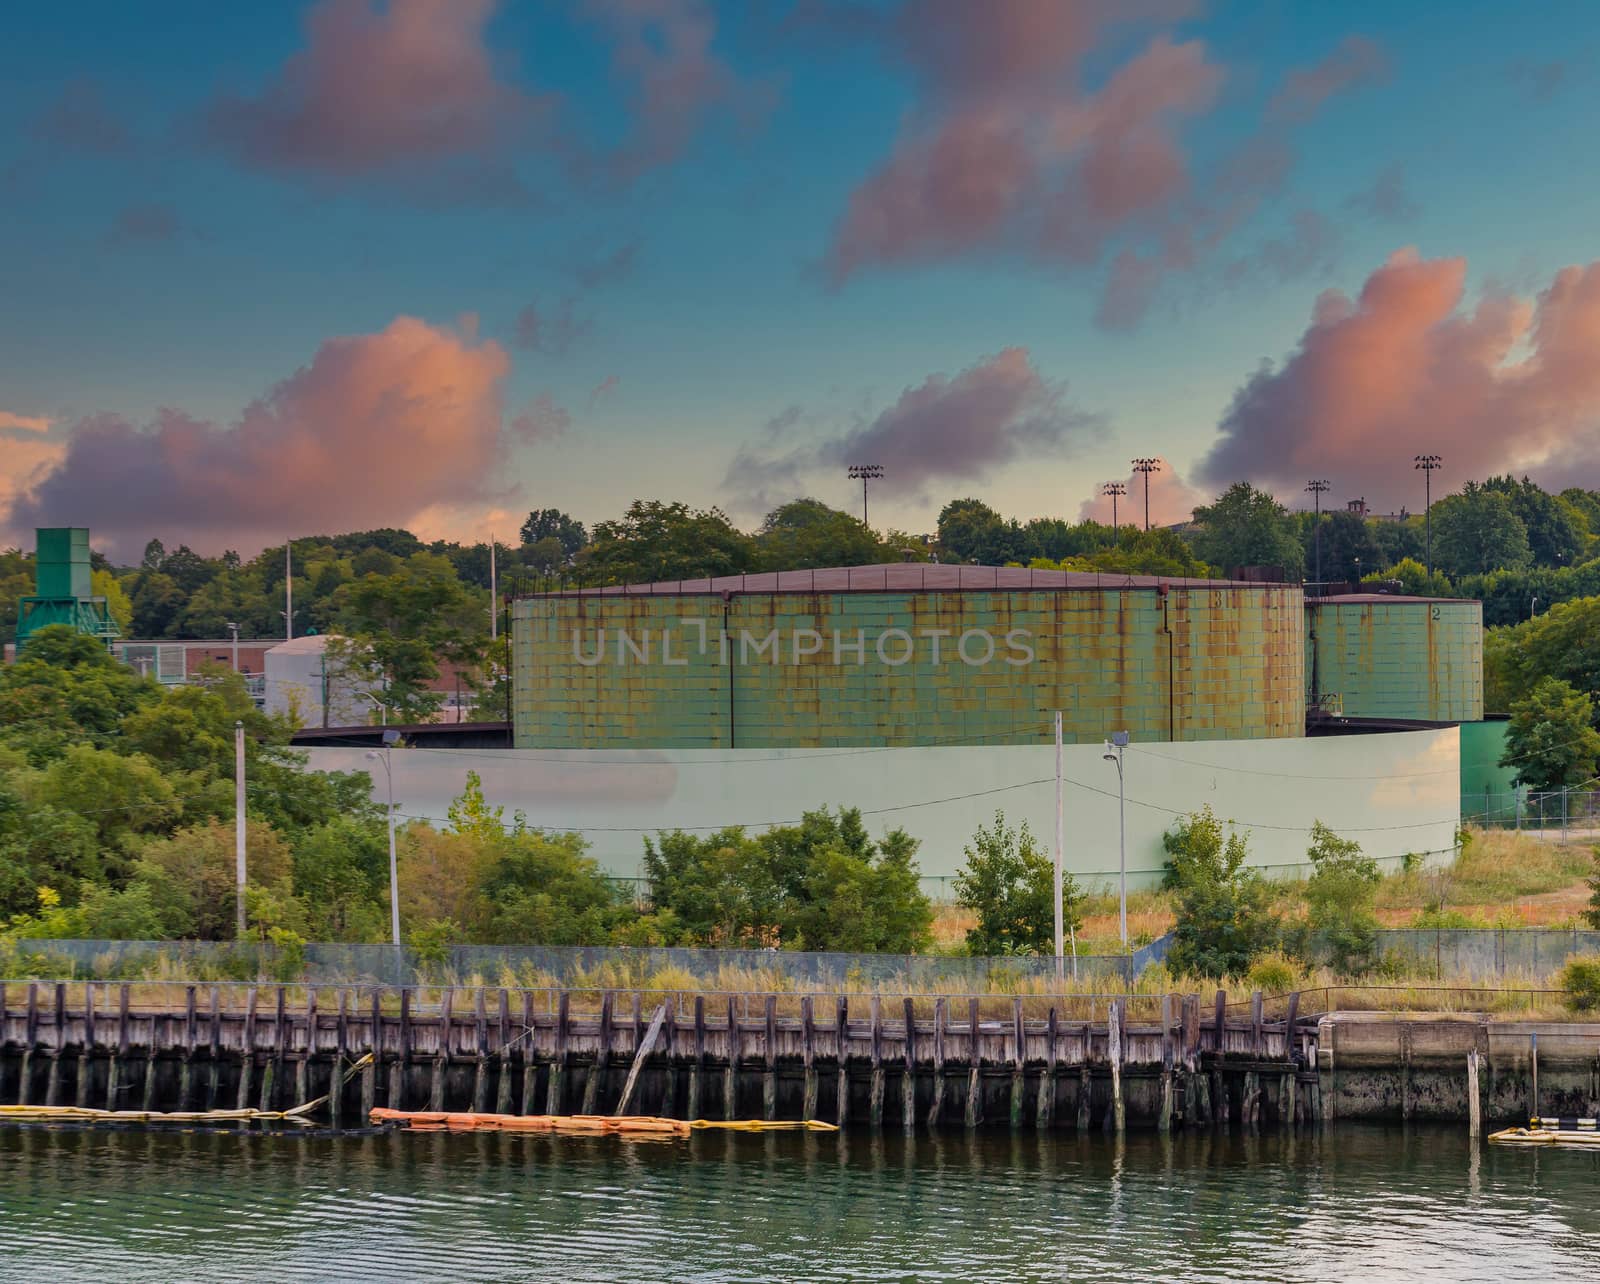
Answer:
(1318, 488)
(1147, 466)
(866, 472)
(1428, 463)
(1114, 489)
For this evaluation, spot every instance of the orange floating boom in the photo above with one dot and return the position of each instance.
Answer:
(592, 1125)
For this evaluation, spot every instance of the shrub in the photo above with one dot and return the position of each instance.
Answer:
(1342, 897)
(1009, 884)
(1223, 923)
(1580, 978)
(1274, 973)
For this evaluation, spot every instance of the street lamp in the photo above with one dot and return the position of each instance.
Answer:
(1114, 748)
(1318, 488)
(1147, 466)
(389, 738)
(233, 628)
(1428, 463)
(1114, 489)
(866, 473)
(1533, 606)
(382, 708)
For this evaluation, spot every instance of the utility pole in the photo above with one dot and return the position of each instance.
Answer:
(1428, 463)
(238, 828)
(1318, 488)
(1114, 748)
(288, 589)
(1060, 842)
(389, 737)
(1114, 489)
(234, 629)
(1147, 466)
(494, 603)
(866, 472)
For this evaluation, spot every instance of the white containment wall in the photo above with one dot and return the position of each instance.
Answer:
(1395, 793)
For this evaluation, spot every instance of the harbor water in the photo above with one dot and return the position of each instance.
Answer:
(1349, 1203)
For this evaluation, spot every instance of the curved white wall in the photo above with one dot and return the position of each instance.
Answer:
(1395, 793)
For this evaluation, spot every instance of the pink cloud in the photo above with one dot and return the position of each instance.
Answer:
(24, 423)
(1172, 500)
(1357, 61)
(1405, 369)
(377, 88)
(82, 120)
(962, 427)
(377, 428)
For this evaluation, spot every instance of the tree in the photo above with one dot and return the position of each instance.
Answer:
(806, 533)
(1563, 642)
(1478, 531)
(552, 523)
(1341, 898)
(971, 531)
(1551, 739)
(1349, 548)
(660, 541)
(1247, 527)
(543, 889)
(1556, 533)
(192, 876)
(1414, 579)
(1222, 922)
(1009, 885)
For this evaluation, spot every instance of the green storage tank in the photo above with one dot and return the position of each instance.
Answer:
(1406, 658)
(62, 562)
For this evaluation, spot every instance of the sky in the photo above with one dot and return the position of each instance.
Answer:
(298, 268)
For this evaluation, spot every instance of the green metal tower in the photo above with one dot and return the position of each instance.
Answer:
(65, 594)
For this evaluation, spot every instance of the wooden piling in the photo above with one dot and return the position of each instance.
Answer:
(480, 1067)
(1019, 1052)
(215, 1048)
(31, 1039)
(642, 1051)
(1085, 1085)
(1164, 1109)
(555, 1096)
(1219, 1082)
(769, 1073)
(974, 1110)
(302, 1070)
(808, 1105)
(730, 1087)
(530, 1067)
(86, 1053)
(1474, 1116)
(247, 1055)
(1044, 1111)
(875, 1090)
(402, 1058)
(1114, 1029)
(503, 1064)
(369, 1072)
(602, 1056)
(908, 1081)
(52, 1091)
(1287, 1093)
(669, 1073)
(441, 1056)
(697, 1067)
(841, 1027)
(936, 1110)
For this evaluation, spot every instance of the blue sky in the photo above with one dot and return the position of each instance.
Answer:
(149, 261)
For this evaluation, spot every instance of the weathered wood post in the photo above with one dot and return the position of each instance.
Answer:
(502, 1083)
(640, 1054)
(698, 1066)
(808, 1104)
(730, 1086)
(841, 1026)
(1219, 1081)
(908, 1083)
(1019, 1059)
(247, 1056)
(1114, 1032)
(1164, 1110)
(936, 1110)
(555, 1093)
(119, 1057)
(669, 1072)
(25, 1089)
(1533, 1063)
(441, 1058)
(602, 1055)
(480, 1061)
(1085, 1083)
(769, 1077)
(341, 1051)
(302, 1069)
(1288, 1094)
(1044, 1111)
(216, 1049)
(401, 1062)
(974, 1112)
(86, 1053)
(369, 1072)
(1474, 1117)
(875, 1091)
(530, 1063)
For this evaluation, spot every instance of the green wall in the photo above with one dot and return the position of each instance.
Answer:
(815, 670)
(1487, 788)
(1411, 659)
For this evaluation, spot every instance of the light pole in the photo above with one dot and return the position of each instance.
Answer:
(866, 472)
(382, 708)
(238, 828)
(1427, 463)
(1114, 748)
(1114, 489)
(1533, 606)
(234, 629)
(1147, 466)
(1318, 488)
(389, 738)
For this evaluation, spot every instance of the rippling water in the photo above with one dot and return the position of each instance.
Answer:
(1352, 1204)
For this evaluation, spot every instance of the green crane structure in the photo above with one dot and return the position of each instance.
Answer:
(64, 593)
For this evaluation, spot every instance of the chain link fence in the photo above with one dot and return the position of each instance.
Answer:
(1464, 953)
(1563, 813)
(581, 966)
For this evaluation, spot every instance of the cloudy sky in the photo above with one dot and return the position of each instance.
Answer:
(298, 268)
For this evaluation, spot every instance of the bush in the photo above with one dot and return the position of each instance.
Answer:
(1274, 973)
(1009, 884)
(1223, 923)
(1580, 978)
(1342, 896)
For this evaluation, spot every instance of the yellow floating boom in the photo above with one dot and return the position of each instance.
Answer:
(591, 1125)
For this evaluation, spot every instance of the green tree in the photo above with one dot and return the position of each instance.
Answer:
(191, 876)
(660, 541)
(1223, 922)
(552, 523)
(1341, 898)
(971, 531)
(1563, 642)
(1414, 579)
(1478, 531)
(1247, 527)
(806, 533)
(543, 889)
(1009, 885)
(1550, 739)
(1349, 548)
(1556, 533)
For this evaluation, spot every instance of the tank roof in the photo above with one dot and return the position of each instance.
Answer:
(1359, 598)
(903, 577)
